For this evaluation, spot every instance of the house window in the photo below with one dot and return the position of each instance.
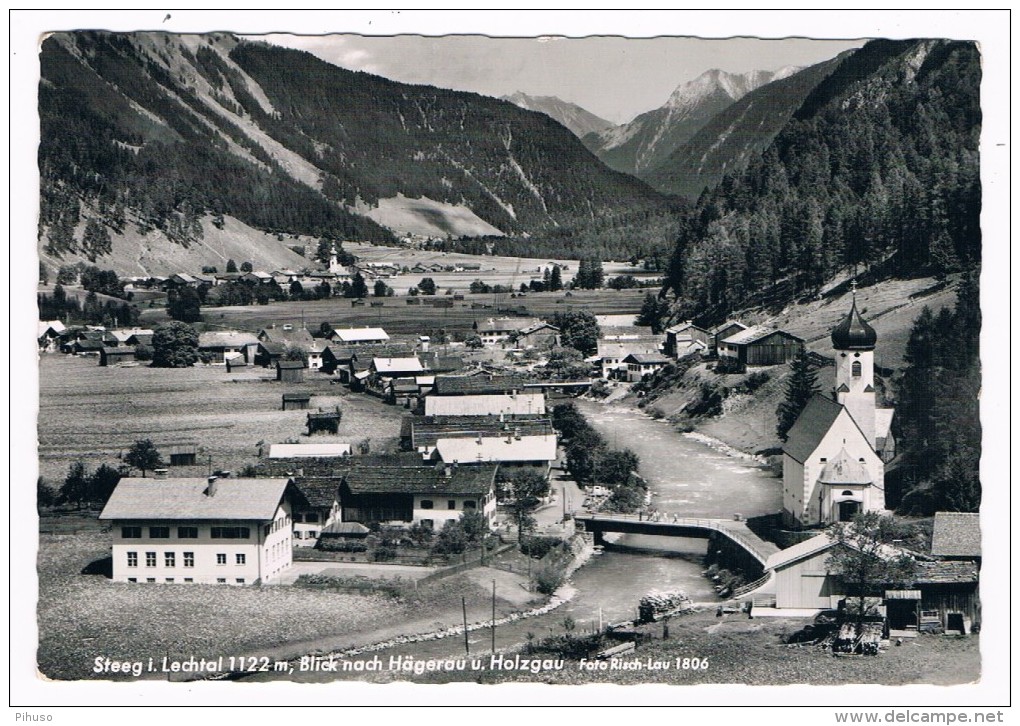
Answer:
(150, 579)
(131, 532)
(469, 504)
(427, 523)
(267, 530)
(451, 504)
(159, 532)
(189, 559)
(132, 579)
(312, 517)
(240, 581)
(239, 559)
(187, 533)
(426, 504)
(150, 559)
(230, 533)
(221, 558)
(855, 369)
(221, 581)
(169, 580)
(169, 559)
(312, 534)
(189, 579)
(132, 559)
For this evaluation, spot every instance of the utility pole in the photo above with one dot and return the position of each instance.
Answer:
(493, 616)
(463, 605)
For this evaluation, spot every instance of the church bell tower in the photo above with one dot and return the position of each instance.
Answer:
(854, 341)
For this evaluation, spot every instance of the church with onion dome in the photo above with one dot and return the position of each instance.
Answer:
(835, 454)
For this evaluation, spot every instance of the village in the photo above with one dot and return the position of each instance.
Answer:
(376, 455)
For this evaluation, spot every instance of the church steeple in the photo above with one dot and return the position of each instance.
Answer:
(853, 333)
(854, 341)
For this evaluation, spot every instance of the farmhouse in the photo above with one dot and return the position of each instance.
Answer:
(612, 351)
(268, 354)
(496, 330)
(640, 365)
(316, 506)
(388, 368)
(49, 333)
(539, 335)
(832, 468)
(478, 384)
(758, 346)
(685, 339)
(721, 332)
(506, 405)
(513, 450)
(180, 453)
(217, 344)
(430, 495)
(203, 531)
(359, 336)
(129, 336)
(420, 433)
(288, 335)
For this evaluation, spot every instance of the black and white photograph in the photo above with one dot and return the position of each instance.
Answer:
(499, 353)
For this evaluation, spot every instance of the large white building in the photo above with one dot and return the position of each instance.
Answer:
(832, 461)
(202, 531)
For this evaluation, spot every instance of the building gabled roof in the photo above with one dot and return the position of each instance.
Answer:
(945, 572)
(811, 427)
(187, 498)
(505, 325)
(389, 366)
(538, 326)
(226, 339)
(295, 336)
(289, 364)
(295, 451)
(319, 492)
(273, 348)
(753, 335)
(610, 348)
(356, 335)
(681, 327)
(497, 449)
(45, 326)
(125, 334)
(424, 432)
(478, 384)
(800, 551)
(463, 480)
(956, 534)
(647, 359)
(728, 324)
(356, 529)
(482, 405)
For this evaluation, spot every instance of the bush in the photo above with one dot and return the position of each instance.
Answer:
(340, 545)
(538, 547)
(548, 579)
(384, 554)
(143, 352)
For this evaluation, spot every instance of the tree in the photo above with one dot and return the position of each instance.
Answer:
(359, 288)
(184, 304)
(578, 329)
(76, 484)
(865, 562)
(44, 274)
(380, 288)
(296, 352)
(461, 534)
(653, 313)
(803, 384)
(174, 345)
(427, 286)
(247, 266)
(528, 485)
(297, 290)
(556, 279)
(615, 466)
(143, 455)
(102, 483)
(45, 496)
(231, 266)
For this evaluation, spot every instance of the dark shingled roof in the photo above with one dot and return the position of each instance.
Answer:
(317, 491)
(945, 573)
(426, 432)
(186, 498)
(420, 480)
(290, 364)
(480, 384)
(956, 534)
(647, 359)
(811, 426)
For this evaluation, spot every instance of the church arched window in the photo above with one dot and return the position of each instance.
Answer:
(855, 369)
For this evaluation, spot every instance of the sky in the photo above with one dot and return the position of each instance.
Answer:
(613, 77)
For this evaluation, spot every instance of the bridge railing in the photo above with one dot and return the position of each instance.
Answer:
(723, 526)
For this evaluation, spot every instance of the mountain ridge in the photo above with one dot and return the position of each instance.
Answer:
(579, 120)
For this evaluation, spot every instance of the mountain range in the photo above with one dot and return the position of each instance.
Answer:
(580, 121)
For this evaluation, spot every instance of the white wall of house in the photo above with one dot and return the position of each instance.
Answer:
(308, 523)
(202, 559)
(442, 508)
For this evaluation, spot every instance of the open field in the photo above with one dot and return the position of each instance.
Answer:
(82, 617)
(399, 318)
(94, 413)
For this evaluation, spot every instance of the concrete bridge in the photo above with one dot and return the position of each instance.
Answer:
(736, 532)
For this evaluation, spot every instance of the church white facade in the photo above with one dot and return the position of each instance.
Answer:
(833, 463)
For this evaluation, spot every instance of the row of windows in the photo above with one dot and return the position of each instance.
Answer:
(170, 580)
(310, 517)
(186, 532)
(276, 525)
(450, 504)
(170, 559)
(306, 534)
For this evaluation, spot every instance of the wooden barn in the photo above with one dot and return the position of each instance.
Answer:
(113, 356)
(290, 371)
(181, 454)
(327, 421)
(758, 346)
(296, 401)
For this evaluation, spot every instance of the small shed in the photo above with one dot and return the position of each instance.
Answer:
(182, 454)
(296, 401)
(345, 530)
(113, 356)
(327, 421)
(290, 371)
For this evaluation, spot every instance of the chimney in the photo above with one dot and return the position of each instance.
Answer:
(447, 471)
(160, 473)
(517, 433)
(210, 490)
